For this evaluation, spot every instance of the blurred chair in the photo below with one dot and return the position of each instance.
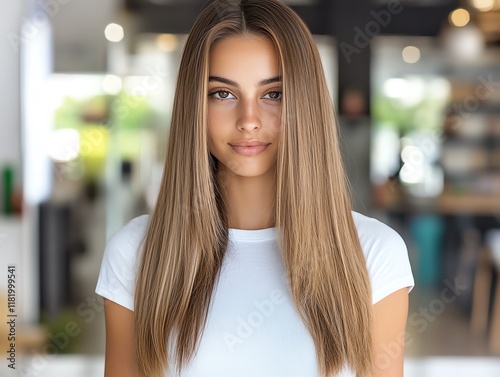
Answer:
(488, 262)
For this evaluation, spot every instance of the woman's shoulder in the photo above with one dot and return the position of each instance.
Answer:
(386, 256)
(126, 241)
(133, 230)
(116, 280)
(374, 234)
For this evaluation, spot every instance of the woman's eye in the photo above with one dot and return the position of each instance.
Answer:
(221, 95)
(275, 96)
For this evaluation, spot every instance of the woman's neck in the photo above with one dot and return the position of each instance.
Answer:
(249, 200)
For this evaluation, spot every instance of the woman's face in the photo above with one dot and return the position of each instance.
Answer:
(244, 104)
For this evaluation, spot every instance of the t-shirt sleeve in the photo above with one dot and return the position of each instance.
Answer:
(386, 258)
(119, 266)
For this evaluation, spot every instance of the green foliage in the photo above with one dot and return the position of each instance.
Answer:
(61, 331)
(132, 112)
(425, 115)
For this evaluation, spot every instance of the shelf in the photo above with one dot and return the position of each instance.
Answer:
(447, 204)
(483, 108)
(10, 218)
(476, 141)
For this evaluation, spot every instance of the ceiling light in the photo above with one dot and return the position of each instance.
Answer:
(114, 33)
(483, 5)
(459, 17)
(411, 54)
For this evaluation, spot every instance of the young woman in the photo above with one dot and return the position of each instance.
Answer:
(252, 262)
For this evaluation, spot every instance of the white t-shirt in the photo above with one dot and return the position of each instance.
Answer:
(253, 328)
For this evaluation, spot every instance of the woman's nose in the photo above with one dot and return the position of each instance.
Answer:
(249, 118)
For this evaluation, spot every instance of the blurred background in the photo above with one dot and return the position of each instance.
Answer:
(87, 90)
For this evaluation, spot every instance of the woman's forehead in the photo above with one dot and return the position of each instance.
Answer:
(240, 54)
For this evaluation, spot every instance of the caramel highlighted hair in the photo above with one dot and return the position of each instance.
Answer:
(187, 235)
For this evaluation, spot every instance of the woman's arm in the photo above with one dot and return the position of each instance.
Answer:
(119, 341)
(390, 315)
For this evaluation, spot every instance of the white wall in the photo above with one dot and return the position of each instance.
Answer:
(78, 27)
(10, 131)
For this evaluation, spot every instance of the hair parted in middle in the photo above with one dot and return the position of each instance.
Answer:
(187, 234)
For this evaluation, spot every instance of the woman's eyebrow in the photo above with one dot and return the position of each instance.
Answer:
(270, 80)
(235, 84)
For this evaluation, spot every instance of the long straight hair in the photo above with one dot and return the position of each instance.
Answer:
(187, 235)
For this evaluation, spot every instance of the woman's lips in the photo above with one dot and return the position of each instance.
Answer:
(249, 151)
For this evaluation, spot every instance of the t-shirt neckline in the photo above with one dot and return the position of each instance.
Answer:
(252, 235)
